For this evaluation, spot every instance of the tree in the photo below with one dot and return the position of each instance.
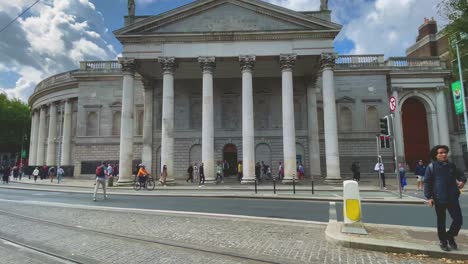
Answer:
(15, 124)
(456, 12)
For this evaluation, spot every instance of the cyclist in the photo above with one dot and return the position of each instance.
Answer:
(142, 175)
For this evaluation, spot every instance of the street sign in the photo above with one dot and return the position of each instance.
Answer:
(393, 104)
(457, 97)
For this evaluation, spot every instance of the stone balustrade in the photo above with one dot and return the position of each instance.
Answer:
(100, 66)
(420, 62)
(360, 61)
(347, 62)
(55, 80)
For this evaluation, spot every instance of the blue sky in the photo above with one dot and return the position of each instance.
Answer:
(56, 34)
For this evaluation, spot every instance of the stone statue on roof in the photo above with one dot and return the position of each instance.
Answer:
(323, 5)
(131, 7)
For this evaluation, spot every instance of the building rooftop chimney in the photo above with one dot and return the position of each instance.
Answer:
(428, 28)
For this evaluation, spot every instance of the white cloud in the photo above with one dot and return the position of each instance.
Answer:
(52, 39)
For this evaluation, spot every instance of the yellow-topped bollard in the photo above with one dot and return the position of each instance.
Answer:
(351, 202)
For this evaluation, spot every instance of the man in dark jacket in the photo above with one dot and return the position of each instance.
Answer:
(442, 184)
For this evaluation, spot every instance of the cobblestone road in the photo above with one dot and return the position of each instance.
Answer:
(278, 242)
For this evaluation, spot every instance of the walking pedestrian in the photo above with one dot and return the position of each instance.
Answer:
(356, 169)
(60, 173)
(202, 175)
(239, 171)
(190, 173)
(100, 180)
(300, 172)
(109, 170)
(219, 172)
(6, 174)
(419, 171)
(280, 171)
(258, 169)
(442, 185)
(402, 172)
(225, 168)
(36, 173)
(163, 177)
(43, 172)
(52, 173)
(196, 173)
(380, 169)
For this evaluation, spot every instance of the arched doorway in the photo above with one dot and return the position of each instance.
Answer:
(230, 155)
(196, 154)
(263, 153)
(415, 132)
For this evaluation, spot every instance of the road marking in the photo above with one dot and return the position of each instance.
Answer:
(333, 215)
(165, 212)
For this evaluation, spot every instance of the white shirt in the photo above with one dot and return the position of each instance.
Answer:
(377, 165)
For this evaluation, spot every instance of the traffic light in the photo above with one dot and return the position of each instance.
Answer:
(384, 142)
(384, 126)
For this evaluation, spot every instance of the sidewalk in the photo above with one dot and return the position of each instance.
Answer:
(418, 241)
(370, 191)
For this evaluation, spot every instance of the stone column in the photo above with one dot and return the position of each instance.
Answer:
(33, 140)
(248, 137)
(147, 152)
(399, 140)
(442, 117)
(287, 62)
(67, 133)
(126, 123)
(51, 150)
(208, 64)
(313, 129)
(40, 155)
(168, 67)
(330, 126)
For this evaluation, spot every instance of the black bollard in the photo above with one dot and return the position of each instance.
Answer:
(294, 185)
(255, 186)
(274, 185)
(312, 186)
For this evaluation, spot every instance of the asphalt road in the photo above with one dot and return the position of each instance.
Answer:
(396, 214)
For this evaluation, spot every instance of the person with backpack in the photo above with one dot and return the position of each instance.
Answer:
(442, 185)
(52, 173)
(419, 171)
(36, 173)
(100, 180)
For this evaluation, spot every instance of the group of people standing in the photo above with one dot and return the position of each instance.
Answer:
(51, 172)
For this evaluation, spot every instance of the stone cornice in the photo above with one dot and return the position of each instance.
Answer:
(227, 36)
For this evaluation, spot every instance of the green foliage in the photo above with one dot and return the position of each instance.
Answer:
(456, 12)
(15, 120)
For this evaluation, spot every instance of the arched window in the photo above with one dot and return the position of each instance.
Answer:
(116, 118)
(346, 121)
(372, 118)
(92, 124)
(320, 118)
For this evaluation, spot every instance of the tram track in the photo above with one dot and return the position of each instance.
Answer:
(130, 238)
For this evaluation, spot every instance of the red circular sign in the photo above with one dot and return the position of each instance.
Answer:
(393, 104)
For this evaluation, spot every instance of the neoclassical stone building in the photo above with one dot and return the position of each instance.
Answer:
(236, 80)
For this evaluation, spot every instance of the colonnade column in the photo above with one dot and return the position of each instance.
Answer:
(51, 150)
(208, 64)
(40, 155)
(168, 67)
(313, 129)
(126, 127)
(287, 62)
(147, 152)
(248, 135)
(34, 132)
(442, 117)
(399, 140)
(67, 132)
(332, 154)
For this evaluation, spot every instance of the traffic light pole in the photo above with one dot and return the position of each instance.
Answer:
(395, 156)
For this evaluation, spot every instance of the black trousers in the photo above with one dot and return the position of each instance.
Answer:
(357, 176)
(382, 176)
(190, 177)
(202, 178)
(455, 212)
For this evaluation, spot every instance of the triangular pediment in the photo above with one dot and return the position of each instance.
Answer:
(217, 16)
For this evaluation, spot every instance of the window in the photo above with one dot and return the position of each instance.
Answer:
(140, 119)
(372, 118)
(116, 118)
(92, 124)
(346, 121)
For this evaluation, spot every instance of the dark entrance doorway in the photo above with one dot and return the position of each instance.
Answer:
(416, 136)
(230, 155)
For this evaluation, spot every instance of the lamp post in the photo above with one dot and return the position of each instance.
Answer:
(465, 117)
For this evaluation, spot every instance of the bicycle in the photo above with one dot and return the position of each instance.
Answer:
(148, 184)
